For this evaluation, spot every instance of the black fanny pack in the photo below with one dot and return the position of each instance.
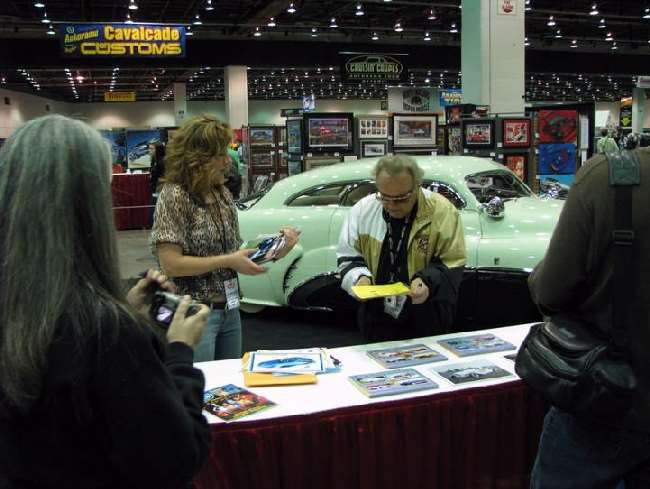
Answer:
(572, 364)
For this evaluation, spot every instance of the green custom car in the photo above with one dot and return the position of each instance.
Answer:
(507, 230)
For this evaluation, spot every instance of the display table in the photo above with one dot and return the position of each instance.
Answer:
(329, 435)
(131, 200)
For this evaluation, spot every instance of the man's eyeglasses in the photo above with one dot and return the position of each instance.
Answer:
(400, 199)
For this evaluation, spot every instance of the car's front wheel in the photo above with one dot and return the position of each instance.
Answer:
(251, 308)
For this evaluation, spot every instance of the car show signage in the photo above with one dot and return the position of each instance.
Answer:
(122, 40)
(450, 96)
(119, 96)
(373, 66)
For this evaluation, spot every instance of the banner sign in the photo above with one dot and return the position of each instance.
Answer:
(122, 40)
(119, 96)
(452, 96)
(380, 67)
(417, 100)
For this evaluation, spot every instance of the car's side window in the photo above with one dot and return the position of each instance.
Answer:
(322, 195)
(356, 192)
(446, 191)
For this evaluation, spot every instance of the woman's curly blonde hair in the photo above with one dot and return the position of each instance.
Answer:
(189, 158)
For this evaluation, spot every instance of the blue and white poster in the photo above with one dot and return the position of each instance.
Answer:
(117, 140)
(557, 159)
(137, 147)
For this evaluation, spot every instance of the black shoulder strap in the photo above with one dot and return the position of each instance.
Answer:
(624, 173)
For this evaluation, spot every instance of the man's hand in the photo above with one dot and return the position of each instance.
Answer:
(141, 295)
(363, 280)
(419, 291)
(291, 236)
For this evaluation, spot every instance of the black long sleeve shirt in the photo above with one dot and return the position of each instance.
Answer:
(123, 415)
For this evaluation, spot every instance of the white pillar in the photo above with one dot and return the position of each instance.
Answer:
(638, 110)
(236, 93)
(180, 103)
(492, 54)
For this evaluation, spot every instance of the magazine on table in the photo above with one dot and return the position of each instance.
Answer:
(392, 382)
(289, 362)
(230, 402)
(465, 346)
(473, 371)
(405, 356)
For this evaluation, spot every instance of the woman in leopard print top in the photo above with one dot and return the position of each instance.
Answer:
(196, 233)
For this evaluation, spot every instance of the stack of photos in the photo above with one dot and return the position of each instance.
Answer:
(405, 356)
(392, 382)
(474, 371)
(230, 402)
(465, 346)
(287, 362)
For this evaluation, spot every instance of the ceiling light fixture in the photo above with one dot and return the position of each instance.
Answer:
(427, 36)
(257, 32)
(432, 15)
(128, 19)
(551, 21)
(271, 22)
(646, 13)
(292, 8)
(609, 37)
(602, 24)
(558, 34)
(398, 26)
(197, 20)
(50, 31)
(526, 42)
(594, 10)
(375, 37)
(38, 4)
(528, 7)
(333, 23)
(453, 29)
(574, 43)
(208, 5)
(45, 20)
(314, 32)
(614, 46)
(359, 11)
(188, 31)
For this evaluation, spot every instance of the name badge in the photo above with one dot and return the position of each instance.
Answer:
(394, 304)
(231, 288)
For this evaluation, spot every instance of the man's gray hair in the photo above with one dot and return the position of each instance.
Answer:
(396, 164)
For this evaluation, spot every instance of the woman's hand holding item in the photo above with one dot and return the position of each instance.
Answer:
(141, 295)
(188, 329)
(240, 262)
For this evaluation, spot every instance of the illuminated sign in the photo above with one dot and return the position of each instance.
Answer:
(119, 96)
(380, 67)
(122, 40)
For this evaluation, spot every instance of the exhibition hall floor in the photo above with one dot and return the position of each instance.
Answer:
(273, 328)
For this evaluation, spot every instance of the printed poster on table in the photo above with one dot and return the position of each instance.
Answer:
(557, 159)
(137, 147)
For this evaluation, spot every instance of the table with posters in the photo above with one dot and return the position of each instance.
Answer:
(329, 435)
(132, 206)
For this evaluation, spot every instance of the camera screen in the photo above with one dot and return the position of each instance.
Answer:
(164, 315)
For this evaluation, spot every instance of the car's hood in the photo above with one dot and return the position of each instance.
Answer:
(526, 216)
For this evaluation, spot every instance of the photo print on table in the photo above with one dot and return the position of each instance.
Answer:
(391, 382)
(557, 126)
(405, 356)
(516, 133)
(464, 346)
(518, 163)
(474, 371)
(557, 159)
(478, 134)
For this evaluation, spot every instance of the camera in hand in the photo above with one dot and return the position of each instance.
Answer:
(268, 249)
(164, 307)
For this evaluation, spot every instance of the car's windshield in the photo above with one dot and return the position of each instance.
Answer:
(249, 201)
(495, 183)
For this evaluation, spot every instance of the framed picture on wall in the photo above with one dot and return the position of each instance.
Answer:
(478, 134)
(518, 163)
(262, 160)
(371, 149)
(371, 127)
(516, 133)
(328, 132)
(415, 130)
(294, 136)
(454, 140)
(261, 136)
(558, 126)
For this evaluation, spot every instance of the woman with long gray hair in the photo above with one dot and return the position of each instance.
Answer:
(91, 396)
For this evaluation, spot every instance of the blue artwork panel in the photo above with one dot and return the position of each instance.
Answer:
(557, 159)
(137, 147)
(117, 141)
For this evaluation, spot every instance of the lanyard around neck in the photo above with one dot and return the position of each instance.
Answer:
(394, 250)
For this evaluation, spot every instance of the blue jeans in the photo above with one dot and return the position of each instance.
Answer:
(576, 453)
(221, 337)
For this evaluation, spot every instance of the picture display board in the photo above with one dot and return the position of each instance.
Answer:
(415, 130)
(328, 132)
